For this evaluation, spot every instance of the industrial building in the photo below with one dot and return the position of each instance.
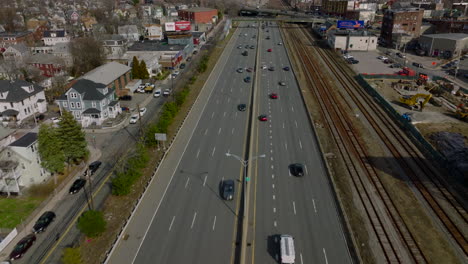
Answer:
(199, 15)
(444, 45)
(351, 40)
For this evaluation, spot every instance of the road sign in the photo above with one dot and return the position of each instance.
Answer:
(247, 179)
(160, 136)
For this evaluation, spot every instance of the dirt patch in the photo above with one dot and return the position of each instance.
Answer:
(117, 209)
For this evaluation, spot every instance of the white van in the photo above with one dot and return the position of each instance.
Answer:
(288, 255)
(157, 93)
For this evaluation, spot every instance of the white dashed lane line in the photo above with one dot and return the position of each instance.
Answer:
(294, 207)
(193, 220)
(315, 208)
(186, 183)
(286, 146)
(214, 222)
(212, 115)
(305, 166)
(325, 255)
(204, 181)
(232, 131)
(198, 153)
(172, 222)
(212, 153)
(219, 131)
(206, 131)
(300, 144)
(295, 122)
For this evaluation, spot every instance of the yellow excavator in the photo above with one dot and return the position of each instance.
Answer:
(416, 101)
(462, 112)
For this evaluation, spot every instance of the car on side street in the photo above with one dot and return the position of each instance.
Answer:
(382, 58)
(418, 65)
(77, 185)
(94, 166)
(396, 65)
(182, 66)
(142, 111)
(167, 92)
(157, 93)
(125, 98)
(296, 169)
(134, 118)
(43, 222)
(22, 247)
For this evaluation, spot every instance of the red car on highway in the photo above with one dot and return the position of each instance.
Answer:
(263, 118)
(273, 96)
(269, 50)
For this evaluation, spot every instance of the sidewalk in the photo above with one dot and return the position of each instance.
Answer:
(49, 204)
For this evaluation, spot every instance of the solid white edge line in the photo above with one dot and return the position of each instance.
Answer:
(305, 166)
(315, 208)
(219, 131)
(294, 207)
(204, 181)
(172, 222)
(325, 255)
(212, 153)
(198, 153)
(302, 261)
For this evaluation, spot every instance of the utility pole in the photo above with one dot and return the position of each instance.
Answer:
(140, 125)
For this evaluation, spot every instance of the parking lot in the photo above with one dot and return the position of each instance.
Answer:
(368, 63)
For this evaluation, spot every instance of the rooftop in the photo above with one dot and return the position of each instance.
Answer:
(199, 9)
(149, 45)
(25, 141)
(106, 73)
(452, 36)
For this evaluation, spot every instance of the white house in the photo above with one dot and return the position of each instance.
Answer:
(130, 32)
(20, 165)
(351, 40)
(20, 100)
(52, 37)
(153, 32)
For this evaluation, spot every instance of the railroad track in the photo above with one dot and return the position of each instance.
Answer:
(348, 142)
(415, 165)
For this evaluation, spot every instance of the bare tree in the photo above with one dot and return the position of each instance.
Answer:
(7, 18)
(87, 54)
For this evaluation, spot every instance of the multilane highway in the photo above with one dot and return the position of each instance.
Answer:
(303, 207)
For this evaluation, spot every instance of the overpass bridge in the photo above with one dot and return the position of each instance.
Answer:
(281, 19)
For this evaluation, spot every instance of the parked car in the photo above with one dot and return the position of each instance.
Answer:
(94, 166)
(55, 120)
(77, 185)
(125, 98)
(182, 66)
(401, 55)
(189, 59)
(240, 70)
(43, 222)
(142, 111)
(382, 58)
(272, 68)
(418, 65)
(22, 246)
(167, 92)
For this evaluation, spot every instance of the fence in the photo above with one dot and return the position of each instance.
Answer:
(425, 147)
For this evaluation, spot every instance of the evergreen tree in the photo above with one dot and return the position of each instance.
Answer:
(135, 68)
(72, 138)
(143, 70)
(50, 151)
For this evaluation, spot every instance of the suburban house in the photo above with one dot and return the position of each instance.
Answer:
(20, 100)
(20, 165)
(7, 39)
(114, 75)
(16, 53)
(52, 37)
(89, 102)
(129, 32)
(48, 64)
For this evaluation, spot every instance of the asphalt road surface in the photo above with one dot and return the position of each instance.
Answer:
(303, 207)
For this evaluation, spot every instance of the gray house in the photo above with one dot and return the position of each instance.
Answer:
(90, 103)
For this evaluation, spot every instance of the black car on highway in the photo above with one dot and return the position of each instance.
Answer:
(241, 107)
(296, 169)
(22, 247)
(77, 185)
(227, 190)
(286, 68)
(43, 222)
(247, 79)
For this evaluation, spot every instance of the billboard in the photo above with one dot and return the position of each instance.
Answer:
(170, 26)
(182, 26)
(350, 24)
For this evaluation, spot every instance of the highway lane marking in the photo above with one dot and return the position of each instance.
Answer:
(224, 115)
(271, 131)
(272, 176)
(274, 209)
(204, 181)
(270, 125)
(292, 108)
(305, 166)
(219, 131)
(283, 124)
(198, 153)
(229, 99)
(274, 223)
(271, 158)
(212, 115)
(172, 222)
(294, 207)
(232, 131)
(300, 144)
(235, 115)
(272, 166)
(271, 137)
(315, 208)
(325, 255)
(271, 143)
(212, 153)
(206, 131)
(286, 146)
(302, 261)
(281, 109)
(214, 223)
(186, 183)
(273, 186)
(193, 220)
(295, 122)
(274, 197)
(231, 89)
(271, 151)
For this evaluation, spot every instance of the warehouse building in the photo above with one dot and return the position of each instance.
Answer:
(351, 40)
(444, 45)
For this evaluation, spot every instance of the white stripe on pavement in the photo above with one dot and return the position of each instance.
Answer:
(170, 226)
(193, 220)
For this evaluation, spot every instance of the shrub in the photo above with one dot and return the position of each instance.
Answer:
(92, 223)
(71, 256)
